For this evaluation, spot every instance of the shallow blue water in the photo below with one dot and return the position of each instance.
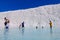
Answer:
(30, 33)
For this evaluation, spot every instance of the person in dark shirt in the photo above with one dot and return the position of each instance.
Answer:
(23, 24)
(6, 22)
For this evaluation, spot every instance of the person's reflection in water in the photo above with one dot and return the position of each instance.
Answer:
(51, 31)
(6, 34)
(22, 31)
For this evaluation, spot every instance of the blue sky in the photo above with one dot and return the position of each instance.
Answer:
(6, 5)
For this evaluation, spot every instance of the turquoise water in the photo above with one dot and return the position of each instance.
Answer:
(30, 33)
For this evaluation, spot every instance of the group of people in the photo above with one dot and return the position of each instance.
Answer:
(7, 21)
(50, 23)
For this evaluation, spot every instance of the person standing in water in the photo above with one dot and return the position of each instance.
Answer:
(36, 27)
(22, 24)
(6, 23)
(50, 24)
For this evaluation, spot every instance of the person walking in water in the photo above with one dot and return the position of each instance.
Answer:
(6, 23)
(21, 25)
(50, 24)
